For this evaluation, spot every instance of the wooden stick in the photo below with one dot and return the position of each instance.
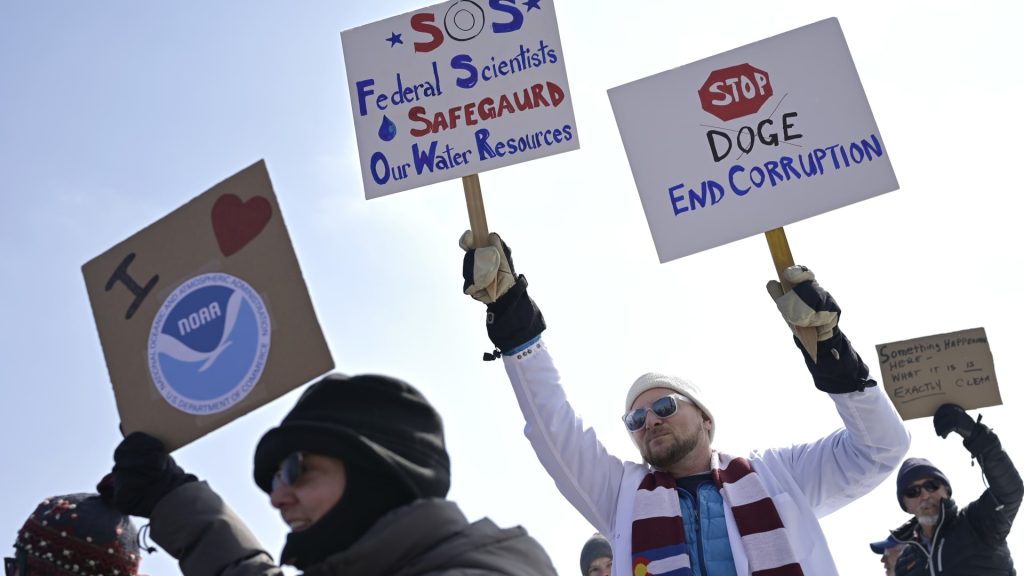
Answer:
(783, 258)
(475, 206)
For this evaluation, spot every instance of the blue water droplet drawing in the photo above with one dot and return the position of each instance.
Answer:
(387, 129)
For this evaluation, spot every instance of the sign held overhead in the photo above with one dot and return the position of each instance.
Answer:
(456, 89)
(751, 140)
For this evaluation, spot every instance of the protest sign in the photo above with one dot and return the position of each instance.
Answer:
(751, 140)
(456, 89)
(924, 373)
(204, 316)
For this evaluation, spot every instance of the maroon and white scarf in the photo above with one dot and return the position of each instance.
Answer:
(659, 537)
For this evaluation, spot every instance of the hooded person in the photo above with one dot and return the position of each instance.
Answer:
(78, 534)
(943, 538)
(358, 470)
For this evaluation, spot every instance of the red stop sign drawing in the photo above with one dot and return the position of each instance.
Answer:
(735, 91)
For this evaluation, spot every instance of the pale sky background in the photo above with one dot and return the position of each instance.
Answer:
(113, 114)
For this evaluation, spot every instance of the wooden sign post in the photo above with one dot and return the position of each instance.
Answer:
(475, 206)
(783, 258)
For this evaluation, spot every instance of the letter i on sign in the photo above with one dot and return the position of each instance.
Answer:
(140, 292)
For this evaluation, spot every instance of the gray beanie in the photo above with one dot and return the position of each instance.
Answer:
(685, 387)
(596, 547)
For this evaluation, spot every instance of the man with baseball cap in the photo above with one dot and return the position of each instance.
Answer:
(890, 549)
(688, 508)
(942, 538)
(360, 473)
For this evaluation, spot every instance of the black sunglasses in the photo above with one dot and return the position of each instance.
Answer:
(292, 468)
(662, 407)
(915, 491)
(11, 564)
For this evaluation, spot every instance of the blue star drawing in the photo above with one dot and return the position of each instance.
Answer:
(531, 4)
(397, 38)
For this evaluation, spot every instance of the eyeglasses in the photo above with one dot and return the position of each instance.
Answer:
(662, 407)
(915, 491)
(11, 566)
(292, 468)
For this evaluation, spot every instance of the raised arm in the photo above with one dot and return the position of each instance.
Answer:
(993, 513)
(584, 472)
(187, 518)
(850, 462)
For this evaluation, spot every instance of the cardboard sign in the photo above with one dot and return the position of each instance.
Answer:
(204, 316)
(924, 373)
(455, 89)
(750, 140)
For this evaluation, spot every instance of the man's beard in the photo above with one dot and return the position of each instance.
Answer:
(923, 516)
(665, 456)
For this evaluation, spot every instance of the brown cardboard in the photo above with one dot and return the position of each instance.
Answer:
(924, 373)
(223, 260)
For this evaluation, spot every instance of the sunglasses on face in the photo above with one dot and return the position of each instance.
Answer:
(292, 468)
(915, 491)
(662, 407)
(11, 565)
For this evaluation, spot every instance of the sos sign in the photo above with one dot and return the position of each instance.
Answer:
(464, 20)
(735, 91)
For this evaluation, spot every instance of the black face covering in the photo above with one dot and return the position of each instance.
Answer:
(369, 494)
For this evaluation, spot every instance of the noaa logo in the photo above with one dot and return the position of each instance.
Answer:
(209, 344)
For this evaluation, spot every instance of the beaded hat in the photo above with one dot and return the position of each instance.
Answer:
(78, 534)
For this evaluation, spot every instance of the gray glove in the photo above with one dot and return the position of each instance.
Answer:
(807, 305)
(838, 369)
(488, 270)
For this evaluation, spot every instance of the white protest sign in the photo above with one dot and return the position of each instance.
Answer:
(456, 89)
(924, 373)
(751, 140)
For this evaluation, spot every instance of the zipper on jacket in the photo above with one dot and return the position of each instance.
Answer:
(935, 554)
(695, 503)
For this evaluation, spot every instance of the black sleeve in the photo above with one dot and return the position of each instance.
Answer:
(992, 514)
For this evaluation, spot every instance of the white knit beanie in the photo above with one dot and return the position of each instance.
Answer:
(684, 387)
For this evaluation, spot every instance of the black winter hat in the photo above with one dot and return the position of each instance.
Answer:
(80, 534)
(914, 469)
(379, 421)
(596, 547)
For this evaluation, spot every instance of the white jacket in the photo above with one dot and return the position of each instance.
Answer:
(806, 481)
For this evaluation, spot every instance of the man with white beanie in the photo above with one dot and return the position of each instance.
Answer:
(689, 509)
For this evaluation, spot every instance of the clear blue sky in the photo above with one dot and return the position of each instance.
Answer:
(113, 114)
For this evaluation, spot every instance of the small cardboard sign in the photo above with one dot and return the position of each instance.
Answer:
(751, 139)
(204, 316)
(924, 373)
(455, 89)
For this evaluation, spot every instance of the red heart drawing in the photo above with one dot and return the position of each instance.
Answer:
(236, 223)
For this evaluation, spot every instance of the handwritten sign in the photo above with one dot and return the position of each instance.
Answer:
(455, 89)
(751, 139)
(203, 316)
(924, 373)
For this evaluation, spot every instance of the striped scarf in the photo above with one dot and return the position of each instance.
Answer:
(659, 539)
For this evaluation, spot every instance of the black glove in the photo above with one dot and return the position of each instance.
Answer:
(513, 318)
(952, 418)
(143, 474)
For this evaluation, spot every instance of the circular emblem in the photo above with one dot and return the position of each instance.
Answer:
(209, 344)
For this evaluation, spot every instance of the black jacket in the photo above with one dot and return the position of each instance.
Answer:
(970, 541)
